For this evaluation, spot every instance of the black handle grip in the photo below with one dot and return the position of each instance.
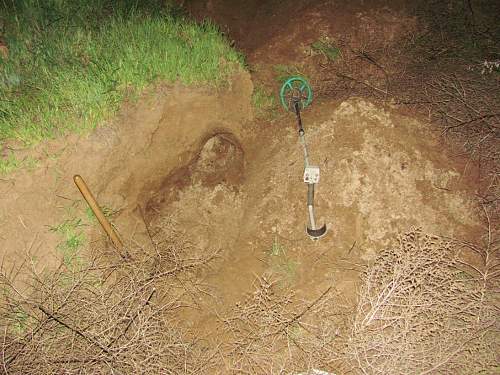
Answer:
(296, 105)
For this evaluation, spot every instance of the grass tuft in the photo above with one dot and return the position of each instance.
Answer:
(72, 240)
(11, 163)
(263, 101)
(327, 48)
(282, 264)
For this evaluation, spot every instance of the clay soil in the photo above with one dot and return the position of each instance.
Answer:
(199, 159)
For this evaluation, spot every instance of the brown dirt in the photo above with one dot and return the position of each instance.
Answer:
(380, 173)
(274, 33)
(198, 159)
(380, 176)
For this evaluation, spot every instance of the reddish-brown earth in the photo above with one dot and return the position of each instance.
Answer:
(232, 182)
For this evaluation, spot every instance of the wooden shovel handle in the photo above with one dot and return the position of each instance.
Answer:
(87, 194)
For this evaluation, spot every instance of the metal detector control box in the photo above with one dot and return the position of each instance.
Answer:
(311, 174)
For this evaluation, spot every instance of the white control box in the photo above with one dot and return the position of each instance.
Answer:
(311, 175)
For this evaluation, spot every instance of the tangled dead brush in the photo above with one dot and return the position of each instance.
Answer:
(420, 312)
(467, 107)
(107, 317)
(273, 332)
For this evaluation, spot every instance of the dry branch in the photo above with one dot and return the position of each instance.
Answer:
(101, 319)
(420, 312)
(272, 331)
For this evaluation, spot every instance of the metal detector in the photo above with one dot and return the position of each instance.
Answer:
(296, 95)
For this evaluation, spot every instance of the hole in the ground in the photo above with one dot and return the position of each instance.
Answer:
(220, 161)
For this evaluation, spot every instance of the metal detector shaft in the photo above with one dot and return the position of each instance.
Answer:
(299, 119)
(302, 135)
(310, 179)
(310, 205)
(304, 146)
(312, 230)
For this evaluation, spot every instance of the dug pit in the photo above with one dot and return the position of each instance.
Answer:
(218, 166)
(125, 164)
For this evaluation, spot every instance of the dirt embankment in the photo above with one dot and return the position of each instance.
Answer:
(279, 38)
(124, 163)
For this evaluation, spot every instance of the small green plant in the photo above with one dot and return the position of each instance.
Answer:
(12, 163)
(107, 211)
(73, 239)
(78, 215)
(20, 321)
(9, 164)
(295, 331)
(263, 101)
(288, 268)
(277, 249)
(281, 263)
(327, 48)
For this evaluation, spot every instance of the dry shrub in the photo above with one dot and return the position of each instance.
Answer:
(444, 75)
(421, 309)
(419, 312)
(111, 316)
(467, 106)
(273, 332)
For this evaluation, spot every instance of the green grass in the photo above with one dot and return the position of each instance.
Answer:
(72, 240)
(77, 216)
(327, 48)
(11, 163)
(263, 101)
(72, 63)
(107, 211)
(281, 263)
(277, 249)
(20, 321)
